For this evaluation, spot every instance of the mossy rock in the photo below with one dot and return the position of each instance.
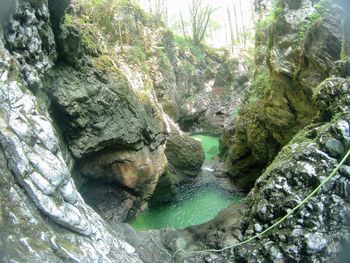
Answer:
(185, 155)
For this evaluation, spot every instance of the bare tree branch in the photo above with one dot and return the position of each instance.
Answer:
(200, 17)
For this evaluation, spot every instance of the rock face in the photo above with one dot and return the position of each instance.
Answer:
(297, 46)
(35, 178)
(185, 156)
(209, 97)
(198, 87)
(105, 105)
(318, 231)
(212, 108)
(109, 133)
(71, 115)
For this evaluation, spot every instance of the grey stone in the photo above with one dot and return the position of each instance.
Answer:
(31, 147)
(334, 147)
(258, 228)
(316, 242)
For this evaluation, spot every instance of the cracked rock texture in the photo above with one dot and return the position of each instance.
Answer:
(61, 117)
(319, 230)
(298, 45)
(44, 213)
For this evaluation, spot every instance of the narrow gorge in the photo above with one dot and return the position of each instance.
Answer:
(123, 140)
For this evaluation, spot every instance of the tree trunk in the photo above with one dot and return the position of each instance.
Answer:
(345, 52)
(231, 29)
(120, 37)
(226, 39)
(236, 22)
(243, 27)
(150, 6)
(166, 14)
(183, 26)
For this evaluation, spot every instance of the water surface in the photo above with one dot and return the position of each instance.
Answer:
(190, 207)
(210, 144)
(193, 204)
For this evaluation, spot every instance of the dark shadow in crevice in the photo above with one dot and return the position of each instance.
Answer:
(111, 201)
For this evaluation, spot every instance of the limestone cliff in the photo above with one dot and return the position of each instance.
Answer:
(75, 112)
(298, 45)
(318, 231)
(302, 104)
(43, 217)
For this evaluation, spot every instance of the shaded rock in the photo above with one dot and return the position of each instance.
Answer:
(166, 188)
(29, 38)
(47, 220)
(136, 170)
(318, 229)
(107, 113)
(335, 147)
(304, 43)
(185, 155)
(332, 97)
(110, 200)
(70, 47)
(57, 10)
(315, 242)
(114, 135)
(346, 41)
(185, 158)
(43, 217)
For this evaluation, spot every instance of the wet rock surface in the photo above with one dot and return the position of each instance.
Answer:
(66, 111)
(304, 45)
(47, 215)
(43, 217)
(318, 231)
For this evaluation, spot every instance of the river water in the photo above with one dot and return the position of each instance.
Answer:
(193, 204)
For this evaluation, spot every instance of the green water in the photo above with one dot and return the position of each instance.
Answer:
(192, 205)
(210, 144)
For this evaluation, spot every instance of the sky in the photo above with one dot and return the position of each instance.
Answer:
(219, 17)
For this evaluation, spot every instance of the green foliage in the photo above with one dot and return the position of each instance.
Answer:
(320, 11)
(70, 20)
(266, 21)
(90, 44)
(277, 11)
(137, 55)
(103, 62)
(115, 19)
(185, 45)
(261, 84)
(163, 59)
(236, 112)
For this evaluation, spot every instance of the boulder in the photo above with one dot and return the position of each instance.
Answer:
(185, 155)
(185, 158)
